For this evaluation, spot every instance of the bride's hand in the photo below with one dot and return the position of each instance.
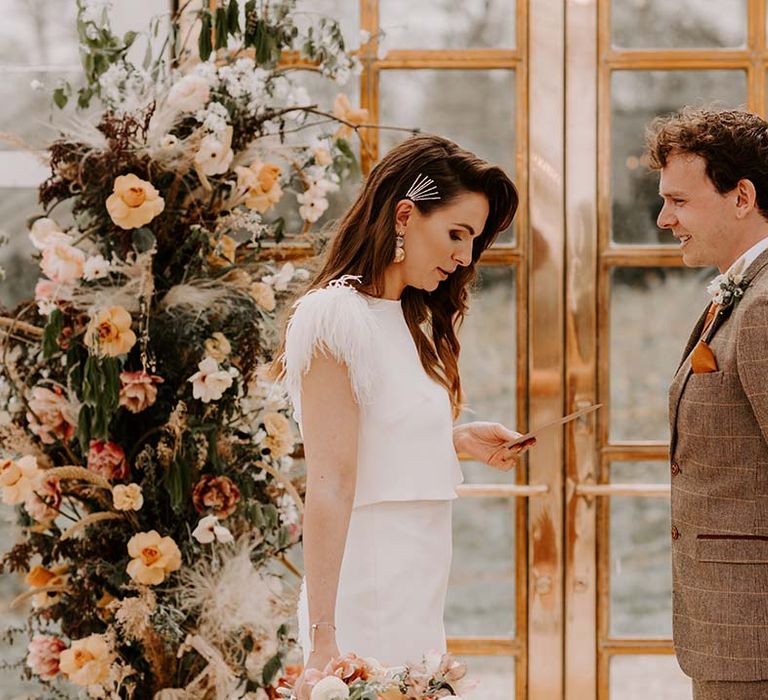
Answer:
(312, 673)
(487, 442)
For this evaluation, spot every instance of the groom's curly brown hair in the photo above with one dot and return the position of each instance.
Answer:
(733, 143)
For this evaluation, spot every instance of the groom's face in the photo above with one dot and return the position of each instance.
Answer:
(696, 213)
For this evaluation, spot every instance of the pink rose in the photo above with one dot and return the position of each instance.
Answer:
(107, 459)
(63, 263)
(43, 502)
(349, 668)
(44, 653)
(51, 416)
(138, 390)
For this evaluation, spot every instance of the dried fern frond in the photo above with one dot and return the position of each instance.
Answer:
(89, 519)
(73, 472)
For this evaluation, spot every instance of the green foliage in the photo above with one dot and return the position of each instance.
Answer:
(52, 332)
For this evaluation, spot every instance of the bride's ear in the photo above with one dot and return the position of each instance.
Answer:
(403, 213)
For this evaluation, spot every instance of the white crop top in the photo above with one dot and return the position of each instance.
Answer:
(405, 435)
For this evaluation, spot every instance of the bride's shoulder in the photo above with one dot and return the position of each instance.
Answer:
(334, 320)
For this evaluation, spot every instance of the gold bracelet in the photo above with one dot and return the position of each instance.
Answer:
(314, 630)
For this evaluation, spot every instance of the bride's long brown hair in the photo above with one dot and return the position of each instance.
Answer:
(364, 243)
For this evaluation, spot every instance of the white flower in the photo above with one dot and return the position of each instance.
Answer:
(63, 263)
(312, 208)
(190, 93)
(214, 118)
(127, 497)
(210, 383)
(209, 529)
(95, 268)
(168, 142)
(45, 232)
(282, 279)
(215, 157)
(330, 688)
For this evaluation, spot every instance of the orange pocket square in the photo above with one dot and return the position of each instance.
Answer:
(703, 359)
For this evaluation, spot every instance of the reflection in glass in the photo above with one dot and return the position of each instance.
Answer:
(636, 98)
(21, 271)
(474, 108)
(638, 24)
(481, 592)
(652, 312)
(653, 676)
(496, 677)
(447, 24)
(640, 568)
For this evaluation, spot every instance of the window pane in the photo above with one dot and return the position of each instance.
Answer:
(474, 108)
(21, 271)
(496, 676)
(674, 25)
(346, 13)
(447, 24)
(640, 473)
(39, 33)
(652, 676)
(653, 310)
(636, 98)
(640, 568)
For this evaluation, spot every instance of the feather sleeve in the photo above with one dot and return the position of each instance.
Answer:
(337, 321)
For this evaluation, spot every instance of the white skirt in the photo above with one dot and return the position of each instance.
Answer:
(393, 582)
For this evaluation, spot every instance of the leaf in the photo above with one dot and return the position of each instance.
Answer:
(143, 239)
(233, 17)
(52, 333)
(84, 427)
(173, 483)
(204, 40)
(270, 669)
(221, 29)
(129, 38)
(147, 62)
(60, 97)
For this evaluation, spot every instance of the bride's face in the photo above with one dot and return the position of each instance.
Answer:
(437, 243)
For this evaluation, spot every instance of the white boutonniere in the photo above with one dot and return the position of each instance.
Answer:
(726, 289)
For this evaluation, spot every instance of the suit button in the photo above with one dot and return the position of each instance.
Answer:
(675, 533)
(675, 468)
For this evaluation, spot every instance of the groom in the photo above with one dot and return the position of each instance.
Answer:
(714, 182)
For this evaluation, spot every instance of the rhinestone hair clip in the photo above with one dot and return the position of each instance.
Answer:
(422, 189)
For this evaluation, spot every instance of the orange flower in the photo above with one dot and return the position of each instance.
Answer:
(153, 557)
(39, 576)
(109, 332)
(134, 202)
(87, 661)
(261, 185)
(342, 109)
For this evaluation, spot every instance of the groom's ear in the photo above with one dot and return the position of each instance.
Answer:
(746, 197)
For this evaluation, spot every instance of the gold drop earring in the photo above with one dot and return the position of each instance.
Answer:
(399, 249)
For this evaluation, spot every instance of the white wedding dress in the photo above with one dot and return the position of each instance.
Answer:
(397, 557)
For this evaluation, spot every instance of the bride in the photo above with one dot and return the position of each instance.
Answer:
(371, 364)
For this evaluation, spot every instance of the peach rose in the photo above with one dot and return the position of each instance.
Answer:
(138, 390)
(260, 180)
(134, 202)
(51, 416)
(44, 655)
(107, 459)
(218, 494)
(43, 503)
(18, 479)
(153, 557)
(63, 263)
(87, 661)
(280, 438)
(46, 232)
(109, 332)
(342, 109)
(210, 381)
(263, 295)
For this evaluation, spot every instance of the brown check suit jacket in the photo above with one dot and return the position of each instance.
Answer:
(719, 466)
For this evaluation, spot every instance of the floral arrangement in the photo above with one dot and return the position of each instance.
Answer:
(144, 447)
(727, 288)
(351, 677)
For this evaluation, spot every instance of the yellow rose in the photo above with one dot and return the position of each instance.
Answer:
(218, 347)
(223, 251)
(87, 661)
(260, 181)
(109, 332)
(263, 295)
(342, 109)
(127, 497)
(18, 479)
(134, 202)
(153, 557)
